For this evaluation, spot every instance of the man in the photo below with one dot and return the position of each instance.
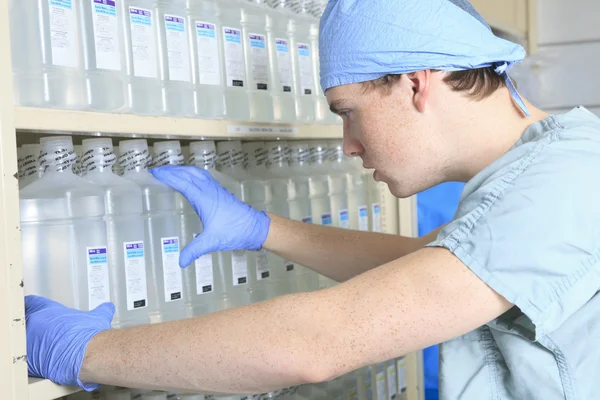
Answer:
(509, 285)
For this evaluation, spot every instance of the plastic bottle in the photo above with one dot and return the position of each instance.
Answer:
(379, 379)
(46, 54)
(238, 279)
(392, 380)
(257, 193)
(162, 231)
(375, 203)
(77, 170)
(63, 232)
(28, 164)
(175, 59)
(154, 395)
(401, 375)
(258, 63)
(282, 75)
(356, 188)
(191, 396)
(301, 205)
(104, 54)
(207, 68)
(198, 278)
(303, 64)
(141, 50)
(118, 394)
(237, 105)
(128, 271)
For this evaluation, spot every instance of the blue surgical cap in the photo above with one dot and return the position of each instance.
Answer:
(362, 40)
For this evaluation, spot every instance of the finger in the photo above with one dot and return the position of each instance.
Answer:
(201, 245)
(179, 179)
(106, 311)
(34, 303)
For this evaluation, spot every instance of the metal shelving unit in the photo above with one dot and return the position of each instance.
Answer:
(19, 123)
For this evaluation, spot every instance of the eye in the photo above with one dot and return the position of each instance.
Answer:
(344, 114)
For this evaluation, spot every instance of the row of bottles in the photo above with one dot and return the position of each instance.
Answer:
(235, 59)
(102, 237)
(384, 381)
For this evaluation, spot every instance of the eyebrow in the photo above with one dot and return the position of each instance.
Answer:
(337, 105)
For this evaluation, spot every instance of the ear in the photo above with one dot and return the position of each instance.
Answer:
(421, 86)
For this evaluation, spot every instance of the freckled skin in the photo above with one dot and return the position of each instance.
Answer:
(394, 297)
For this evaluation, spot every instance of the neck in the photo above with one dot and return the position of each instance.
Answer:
(494, 126)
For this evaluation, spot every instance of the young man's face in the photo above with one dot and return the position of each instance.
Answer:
(390, 135)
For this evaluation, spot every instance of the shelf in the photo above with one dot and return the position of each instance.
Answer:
(43, 389)
(128, 125)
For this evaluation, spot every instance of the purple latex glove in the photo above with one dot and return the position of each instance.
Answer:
(57, 337)
(229, 224)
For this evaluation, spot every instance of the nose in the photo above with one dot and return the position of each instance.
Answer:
(352, 146)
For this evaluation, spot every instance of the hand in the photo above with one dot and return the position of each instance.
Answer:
(229, 224)
(57, 337)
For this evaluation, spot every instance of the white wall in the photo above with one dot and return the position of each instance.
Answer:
(565, 71)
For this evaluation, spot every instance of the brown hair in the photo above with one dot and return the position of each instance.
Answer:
(476, 83)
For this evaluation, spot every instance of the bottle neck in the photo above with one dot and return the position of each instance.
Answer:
(318, 156)
(100, 159)
(168, 157)
(337, 155)
(300, 157)
(206, 159)
(57, 159)
(278, 157)
(258, 159)
(231, 159)
(135, 160)
(28, 165)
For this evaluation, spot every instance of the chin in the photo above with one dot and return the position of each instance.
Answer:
(401, 191)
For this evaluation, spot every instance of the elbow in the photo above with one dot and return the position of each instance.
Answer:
(321, 363)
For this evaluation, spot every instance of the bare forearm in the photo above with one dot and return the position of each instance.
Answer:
(253, 349)
(339, 254)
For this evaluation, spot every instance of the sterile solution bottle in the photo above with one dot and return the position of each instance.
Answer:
(301, 205)
(28, 163)
(154, 395)
(258, 63)
(46, 54)
(282, 75)
(302, 55)
(190, 396)
(128, 270)
(198, 278)
(118, 394)
(257, 193)
(104, 54)
(339, 186)
(77, 166)
(237, 105)
(392, 380)
(207, 68)
(379, 379)
(63, 232)
(365, 383)
(238, 278)
(375, 203)
(401, 374)
(162, 231)
(175, 59)
(141, 51)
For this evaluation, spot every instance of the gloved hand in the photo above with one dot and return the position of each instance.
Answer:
(57, 337)
(229, 224)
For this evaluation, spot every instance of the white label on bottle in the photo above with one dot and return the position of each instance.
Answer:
(209, 66)
(326, 219)
(285, 65)
(234, 57)
(380, 385)
(376, 217)
(391, 373)
(63, 30)
(97, 271)
(306, 72)
(177, 49)
(205, 279)
(344, 219)
(259, 60)
(106, 34)
(143, 43)
(135, 275)
(401, 370)
(239, 267)
(363, 218)
(262, 266)
(171, 272)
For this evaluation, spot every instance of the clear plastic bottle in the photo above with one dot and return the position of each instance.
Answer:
(118, 394)
(237, 104)
(303, 65)
(141, 44)
(191, 396)
(375, 203)
(77, 166)
(301, 205)
(63, 233)
(258, 63)
(392, 380)
(238, 279)
(282, 74)
(379, 381)
(104, 54)
(207, 68)
(356, 188)
(401, 375)
(257, 193)
(162, 231)
(154, 395)
(46, 54)
(28, 163)
(198, 278)
(128, 271)
(175, 59)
